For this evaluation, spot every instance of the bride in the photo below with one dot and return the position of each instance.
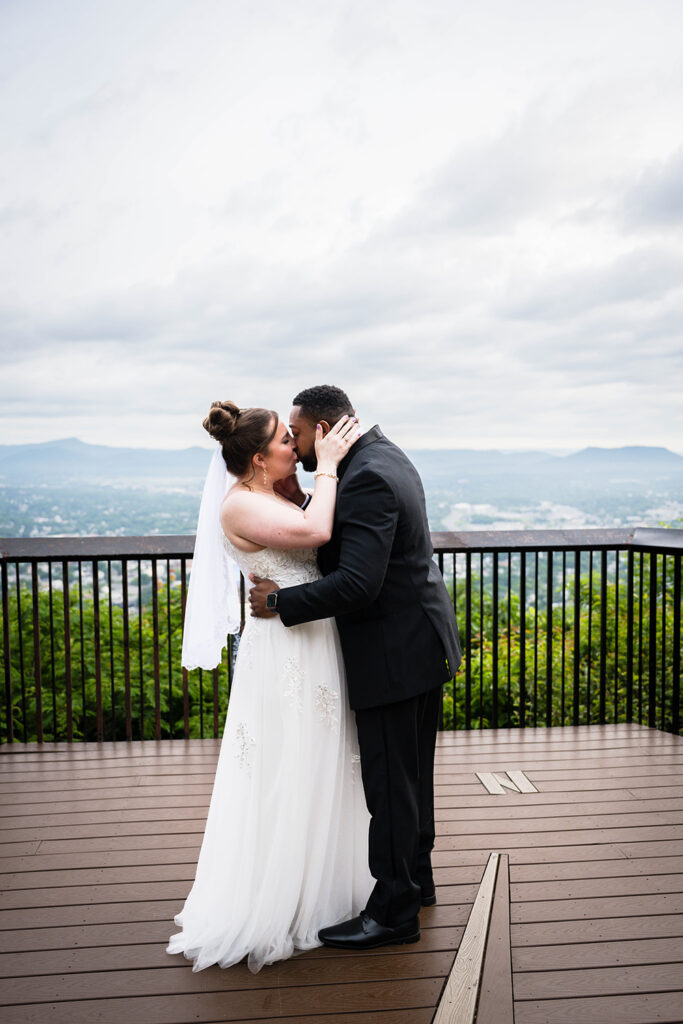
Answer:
(285, 851)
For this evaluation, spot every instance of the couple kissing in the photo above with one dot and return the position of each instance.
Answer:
(321, 822)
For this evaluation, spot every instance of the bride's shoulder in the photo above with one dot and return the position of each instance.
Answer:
(239, 495)
(242, 507)
(239, 509)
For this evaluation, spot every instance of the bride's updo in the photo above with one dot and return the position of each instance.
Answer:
(241, 433)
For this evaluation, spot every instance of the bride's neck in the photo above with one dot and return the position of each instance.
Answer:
(255, 487)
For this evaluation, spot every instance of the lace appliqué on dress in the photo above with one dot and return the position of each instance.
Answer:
(245, 742)
(326, 701)
(252, 629)
(286, 568)
(294, 679)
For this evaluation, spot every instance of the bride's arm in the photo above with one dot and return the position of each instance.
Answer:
(268, 522)
(272, 524)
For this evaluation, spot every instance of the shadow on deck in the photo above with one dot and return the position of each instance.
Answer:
(99, 846)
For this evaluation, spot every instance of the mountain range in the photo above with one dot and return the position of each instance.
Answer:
(71, 460)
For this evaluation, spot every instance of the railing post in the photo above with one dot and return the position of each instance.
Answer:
(662, 648)
(99, 713)
(549, 644)
(186, 696)
(82, 644)
(652, 644)
(140, 659)
(508, 607)
(67, 653)
(112, 685)
(522, 640)
(481, 639)
(22, 672)
(589, 695)
(629, 636)
(7, 656)
(52, 652)
(37, 670)
(495, 641)
(157, 670)
(676, 675)
(215, 703)
(128, 704)
(535, 703)
(616, 635)
(468, 640)
(564, 631)
(576, 665)
(603, 637)
(169, 649)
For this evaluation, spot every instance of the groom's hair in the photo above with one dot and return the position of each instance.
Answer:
(324, 402)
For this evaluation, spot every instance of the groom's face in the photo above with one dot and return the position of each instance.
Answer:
(303, 432)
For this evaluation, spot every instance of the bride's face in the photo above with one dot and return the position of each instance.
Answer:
(280, 458)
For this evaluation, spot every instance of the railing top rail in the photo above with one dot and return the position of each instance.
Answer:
(638, 538)
(646, 538)
(45, 549)
(535, 540)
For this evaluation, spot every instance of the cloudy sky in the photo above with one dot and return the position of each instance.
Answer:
(468, 215)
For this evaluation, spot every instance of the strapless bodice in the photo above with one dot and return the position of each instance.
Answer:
(286, 568)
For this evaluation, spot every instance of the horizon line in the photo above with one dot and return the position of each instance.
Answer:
(556, 451)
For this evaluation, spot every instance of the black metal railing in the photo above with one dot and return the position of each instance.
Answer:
(558, 628)
(565, 627)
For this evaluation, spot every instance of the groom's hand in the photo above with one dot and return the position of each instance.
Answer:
(258, 594)
(290, 488)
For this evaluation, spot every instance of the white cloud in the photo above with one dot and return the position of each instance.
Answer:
(461, 213)
(657, 197)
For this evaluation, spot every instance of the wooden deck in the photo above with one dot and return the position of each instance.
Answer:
(99, 845)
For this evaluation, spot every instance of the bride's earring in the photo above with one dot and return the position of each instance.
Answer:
(265, 477)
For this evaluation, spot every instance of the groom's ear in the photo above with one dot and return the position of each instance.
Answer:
(326, 427)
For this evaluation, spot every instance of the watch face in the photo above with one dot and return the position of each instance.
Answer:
(271, 600)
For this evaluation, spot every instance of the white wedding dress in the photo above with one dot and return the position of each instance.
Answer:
(285, 851)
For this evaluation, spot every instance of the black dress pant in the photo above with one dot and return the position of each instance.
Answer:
(397, 761)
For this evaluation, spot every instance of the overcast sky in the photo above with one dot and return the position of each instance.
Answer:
(467, 214)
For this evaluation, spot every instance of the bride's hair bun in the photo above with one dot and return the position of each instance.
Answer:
(222, 420)
(241, 433)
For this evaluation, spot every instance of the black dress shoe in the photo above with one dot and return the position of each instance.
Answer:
(364, 933)
(429, 897)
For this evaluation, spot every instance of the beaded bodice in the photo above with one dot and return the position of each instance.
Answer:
(286, 568)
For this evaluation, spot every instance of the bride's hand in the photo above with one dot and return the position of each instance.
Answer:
(332, 448)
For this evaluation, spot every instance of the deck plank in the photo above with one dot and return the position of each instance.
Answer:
(259, 1004)
(598, 981)
(652, 1008)
(598, 954)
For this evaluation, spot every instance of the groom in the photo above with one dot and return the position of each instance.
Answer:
(400, 644)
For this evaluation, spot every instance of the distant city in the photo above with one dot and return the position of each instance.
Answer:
(71, 488)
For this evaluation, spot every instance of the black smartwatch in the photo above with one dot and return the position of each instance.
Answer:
(271, 601)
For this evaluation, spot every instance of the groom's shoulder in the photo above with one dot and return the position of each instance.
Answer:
(382, 456)
(385, 449)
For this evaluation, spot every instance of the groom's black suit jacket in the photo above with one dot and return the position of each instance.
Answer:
(395, 619)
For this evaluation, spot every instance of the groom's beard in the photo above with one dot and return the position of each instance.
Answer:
(309, 462)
